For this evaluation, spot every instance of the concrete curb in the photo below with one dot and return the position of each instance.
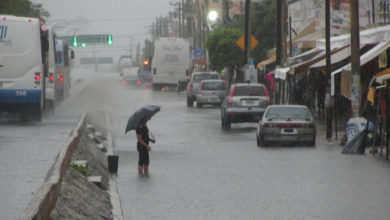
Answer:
(44, 200)
(114, 194)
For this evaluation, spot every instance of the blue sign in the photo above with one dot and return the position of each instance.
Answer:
(198, 52)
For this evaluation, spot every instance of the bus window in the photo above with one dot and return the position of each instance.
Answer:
(59, 57)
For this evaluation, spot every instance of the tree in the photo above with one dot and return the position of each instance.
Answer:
(23, 8)
(263, 27)
(222, 48)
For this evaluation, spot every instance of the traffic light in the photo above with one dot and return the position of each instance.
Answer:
(75, 43)
(109, 40)
(146, 64)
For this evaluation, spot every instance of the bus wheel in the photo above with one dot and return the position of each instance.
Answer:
(36, 114)
(51, 106)
(24, 117)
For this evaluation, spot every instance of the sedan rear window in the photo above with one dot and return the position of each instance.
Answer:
(249, 91)
(288, 112)
(200, 77)
(213, 86)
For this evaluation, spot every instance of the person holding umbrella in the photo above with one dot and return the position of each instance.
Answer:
(138, 122)
(143, 147)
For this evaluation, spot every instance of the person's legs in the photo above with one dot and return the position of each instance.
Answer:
(140, 162)
(146, 170)
(146, 163)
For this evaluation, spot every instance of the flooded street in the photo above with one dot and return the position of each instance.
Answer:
(199, 171)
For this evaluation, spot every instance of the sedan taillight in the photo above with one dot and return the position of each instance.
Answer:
(267, 125)
(200, 86)
(229, 100)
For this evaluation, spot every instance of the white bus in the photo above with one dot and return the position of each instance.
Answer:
(63, 69)
(23, 51)
(52, 76)
(170, 62)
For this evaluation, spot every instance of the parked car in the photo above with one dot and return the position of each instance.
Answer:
(211, 92)
(286, 123)
(246, 103)
(193, 85)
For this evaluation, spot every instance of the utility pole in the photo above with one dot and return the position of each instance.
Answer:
(225, 11)
(179, 10)
(182, 20)
(373, 11)
(281, 44)
(290, 34)
(281, 32)
(355, 59)
(137, 55)
(131, 46)
(329, 112)
(247, 32)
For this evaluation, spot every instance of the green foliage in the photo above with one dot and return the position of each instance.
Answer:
(23, 8)
(263, 27)
(222, 48)
(83, 170)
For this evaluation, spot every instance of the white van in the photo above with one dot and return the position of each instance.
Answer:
(170, 62)
(23, 51)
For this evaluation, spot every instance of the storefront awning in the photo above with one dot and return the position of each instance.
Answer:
(318, 34)
(303, 56)
(347, 69)
(304, 66)
(371, 54)
(383, 76)
(335, 58)
(265, 62)
(368, 36)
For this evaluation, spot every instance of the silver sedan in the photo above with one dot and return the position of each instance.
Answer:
(211, 92)
(286, 123)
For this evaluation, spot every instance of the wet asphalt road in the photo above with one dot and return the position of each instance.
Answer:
(199, 171)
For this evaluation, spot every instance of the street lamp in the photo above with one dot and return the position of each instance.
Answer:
(212, 16)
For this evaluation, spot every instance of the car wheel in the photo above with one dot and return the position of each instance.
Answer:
(262, 142)
(190, 102)
(258, 140)
(312, 143)
(227, 124)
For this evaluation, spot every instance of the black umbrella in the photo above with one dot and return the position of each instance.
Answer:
(144, 112)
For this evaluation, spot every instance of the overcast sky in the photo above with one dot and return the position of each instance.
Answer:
(122, 18)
